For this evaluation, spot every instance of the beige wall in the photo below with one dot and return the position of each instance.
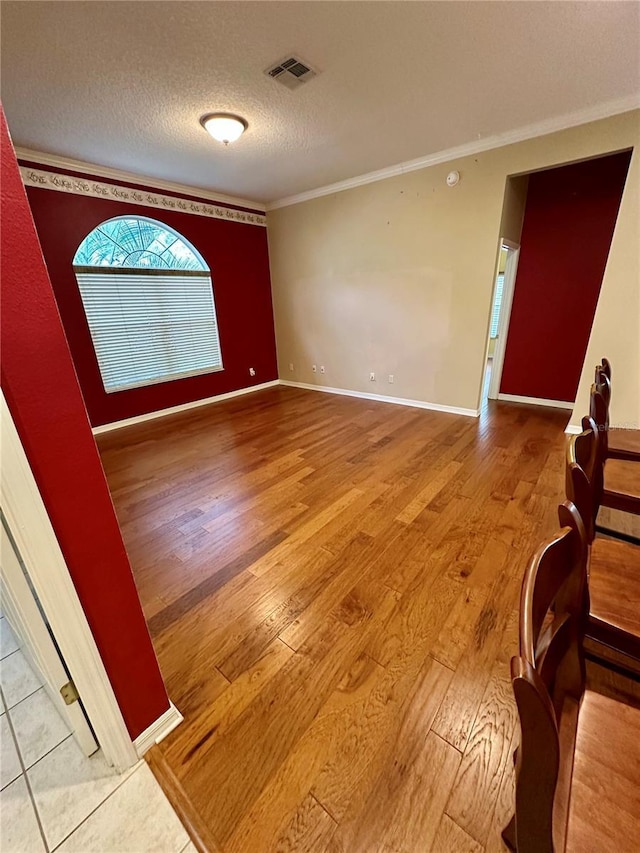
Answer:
(515, 200)
(616, 326)
(397, 276)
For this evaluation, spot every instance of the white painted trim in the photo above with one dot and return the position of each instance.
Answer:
(508, 289)
(72, 165)
(499, 140)
(174, 410)
(380, 398)
(158, 730)
(573, 429)
(38, 546)
(536, 401)
(58, 182)
(20, 607)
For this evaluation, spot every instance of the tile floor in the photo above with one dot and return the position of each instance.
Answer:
(55, 798)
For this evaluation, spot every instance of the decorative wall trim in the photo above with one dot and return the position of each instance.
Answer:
(380, 398)
(94, 169)
(499, 140)
(536, 401)
(573, 429)
(146, 198)
(174, 410)
(158, 730)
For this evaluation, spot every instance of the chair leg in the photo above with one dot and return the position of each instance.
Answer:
(509, 834)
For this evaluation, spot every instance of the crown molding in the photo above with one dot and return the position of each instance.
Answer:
(93, 169)
(499, 140)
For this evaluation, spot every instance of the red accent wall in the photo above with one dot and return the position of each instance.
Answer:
(237, 255)
(44, 397)
(568, 225)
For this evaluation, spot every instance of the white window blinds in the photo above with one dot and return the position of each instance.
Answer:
(150, 326)
(497, 302)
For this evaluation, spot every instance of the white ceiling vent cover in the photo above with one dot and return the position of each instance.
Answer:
(292, 72)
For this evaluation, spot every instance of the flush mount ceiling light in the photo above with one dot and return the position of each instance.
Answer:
(225, 127)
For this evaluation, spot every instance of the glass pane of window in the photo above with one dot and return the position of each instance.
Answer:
(135, 242)
(152, 315)
(497, 302)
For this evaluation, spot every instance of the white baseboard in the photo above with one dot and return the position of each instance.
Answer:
(161, 413)
(536, 401)
(158, 730)
(573, 429)
(380, 398)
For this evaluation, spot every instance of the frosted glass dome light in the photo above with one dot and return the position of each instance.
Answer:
(224, 127)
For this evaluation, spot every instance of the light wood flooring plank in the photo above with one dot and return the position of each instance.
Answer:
(331, 587)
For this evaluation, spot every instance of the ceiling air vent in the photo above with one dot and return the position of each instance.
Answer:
(291, 72)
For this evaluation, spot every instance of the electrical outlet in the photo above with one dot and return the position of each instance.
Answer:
(372, 377)
(322, 368)
(314, 368)
(290, 365)
(391, 379)
(252, 371)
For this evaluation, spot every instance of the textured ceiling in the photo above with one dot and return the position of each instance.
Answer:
(123, 84)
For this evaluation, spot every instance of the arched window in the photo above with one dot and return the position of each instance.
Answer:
(148, 296)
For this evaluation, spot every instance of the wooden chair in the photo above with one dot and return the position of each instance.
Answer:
(614, 565)
(621, 484)
(578, 763)
(618, 443)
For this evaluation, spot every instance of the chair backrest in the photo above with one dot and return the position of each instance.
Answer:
(548, 680)
(606, 368)
(599, 398)
(584, 474)
(603, 384)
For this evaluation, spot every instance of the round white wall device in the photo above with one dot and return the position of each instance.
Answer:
(453, 178)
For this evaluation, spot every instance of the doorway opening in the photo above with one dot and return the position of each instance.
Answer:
(503, 287)
(563, 218)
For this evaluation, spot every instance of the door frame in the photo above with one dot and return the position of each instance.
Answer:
(20, 607)
(31, 529)
(508, 287)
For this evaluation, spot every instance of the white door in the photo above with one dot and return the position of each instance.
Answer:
(510, 271)
(22, 610)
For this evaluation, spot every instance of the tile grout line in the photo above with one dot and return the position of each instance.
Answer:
(28, 696)
(48, 752)
(100, 804)
(27, 783)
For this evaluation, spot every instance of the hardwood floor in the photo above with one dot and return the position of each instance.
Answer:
(331, 586)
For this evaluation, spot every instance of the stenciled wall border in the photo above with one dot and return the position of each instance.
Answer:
(97, 189)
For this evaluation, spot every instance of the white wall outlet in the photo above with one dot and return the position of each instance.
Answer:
(290, 365)
(322, 368)
(372, 377)
(252, 371)
(314, 368)
(391, 378)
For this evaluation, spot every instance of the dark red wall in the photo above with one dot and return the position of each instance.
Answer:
(238, 258)
(44, 397)
(568, 225)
